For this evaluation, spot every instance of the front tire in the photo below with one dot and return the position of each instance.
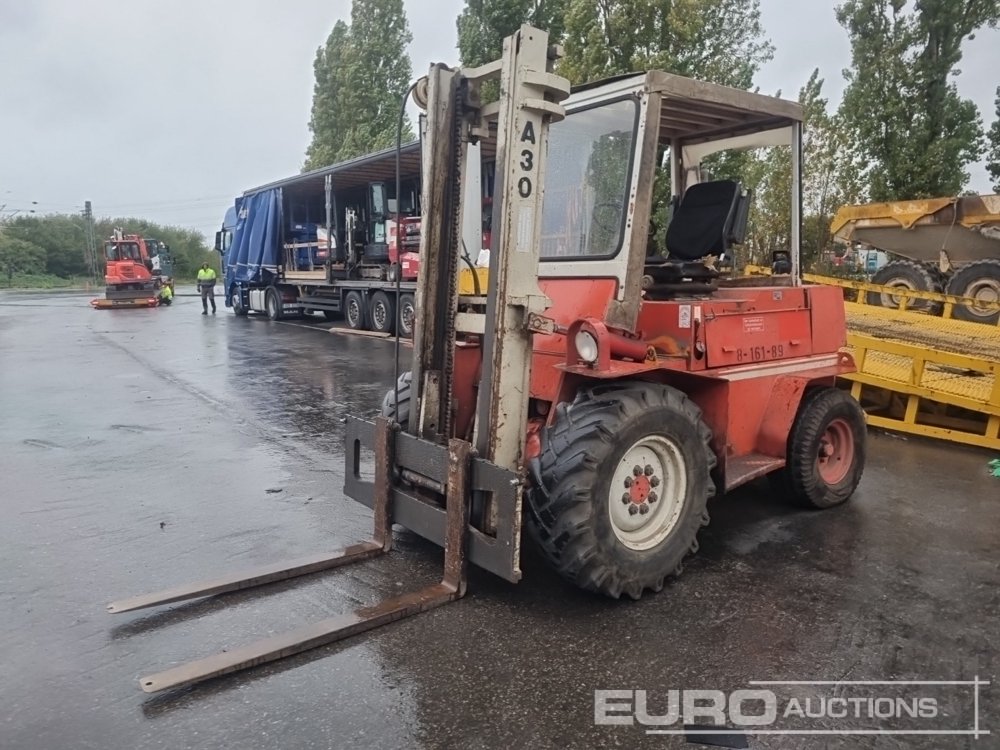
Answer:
(601, 524)
(826, 450)
(236, 297)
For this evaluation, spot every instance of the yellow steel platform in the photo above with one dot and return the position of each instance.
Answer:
(917, 373)
(925, 375)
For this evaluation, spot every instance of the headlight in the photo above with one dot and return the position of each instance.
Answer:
(586, 347)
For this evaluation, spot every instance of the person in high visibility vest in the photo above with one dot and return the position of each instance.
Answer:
(206, 285)
(166, 295)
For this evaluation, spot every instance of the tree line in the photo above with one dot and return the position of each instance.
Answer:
(902, 130)
(55, 246)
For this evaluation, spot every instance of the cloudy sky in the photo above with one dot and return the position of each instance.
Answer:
(168, 110)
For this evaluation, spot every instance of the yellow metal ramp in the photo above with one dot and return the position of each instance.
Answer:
(925, 375)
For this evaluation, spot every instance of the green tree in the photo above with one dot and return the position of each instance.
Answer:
(993, 148)
(330, 117)
(906, 118)
(721, 41)
(362, 74)
(828, 181)
(19, 256)
(484, 24)
(63, 240)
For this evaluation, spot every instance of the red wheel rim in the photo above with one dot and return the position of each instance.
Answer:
(836, 452)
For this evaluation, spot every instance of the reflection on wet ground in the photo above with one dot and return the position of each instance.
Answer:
(137, 448)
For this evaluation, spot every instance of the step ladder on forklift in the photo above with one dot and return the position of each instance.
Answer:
(604, 386)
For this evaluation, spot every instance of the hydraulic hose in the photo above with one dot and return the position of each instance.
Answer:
(399, 243)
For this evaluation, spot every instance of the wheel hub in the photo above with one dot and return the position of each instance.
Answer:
(648, 491)
(895, 300)
(984, 291)
(836, 452)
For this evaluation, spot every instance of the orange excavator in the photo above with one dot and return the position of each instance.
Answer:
(137, 271)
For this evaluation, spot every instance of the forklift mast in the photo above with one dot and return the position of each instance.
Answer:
(426, 479)
(454, 121)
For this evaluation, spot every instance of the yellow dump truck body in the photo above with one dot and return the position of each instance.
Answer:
(965, 229)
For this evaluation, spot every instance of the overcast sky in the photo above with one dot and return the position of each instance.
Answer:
(168, 110)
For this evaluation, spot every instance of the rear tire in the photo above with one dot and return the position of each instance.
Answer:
(826, 450)
(274, 304)
(406, 316)
(905, 274)
(382, 313)
(598, 522)
(354, 311)
(981, 281)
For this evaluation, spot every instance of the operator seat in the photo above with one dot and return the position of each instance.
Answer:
(709, 218)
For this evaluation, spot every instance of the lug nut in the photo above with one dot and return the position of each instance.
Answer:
(653, 497)
(632, 510)
(626, 498)
(644, 509)
(628, 481)
(648, 471)
(637, 470)
(654, 481)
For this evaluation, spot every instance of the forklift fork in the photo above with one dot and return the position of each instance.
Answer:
(451, 587)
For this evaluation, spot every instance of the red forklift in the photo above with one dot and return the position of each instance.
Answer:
(604, 387)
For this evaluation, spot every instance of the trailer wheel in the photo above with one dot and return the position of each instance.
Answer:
(406, 316)
(354, 311)
(382, 313)
(826, 450)
(905, 274)
(621, 487)
(274, 304)
(401, 415)
(981, 281)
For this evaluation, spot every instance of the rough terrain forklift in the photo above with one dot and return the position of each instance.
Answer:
(603, 389)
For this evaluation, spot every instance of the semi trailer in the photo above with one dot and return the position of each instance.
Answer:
(327, 241)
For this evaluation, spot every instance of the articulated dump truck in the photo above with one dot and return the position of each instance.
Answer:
(938, 244)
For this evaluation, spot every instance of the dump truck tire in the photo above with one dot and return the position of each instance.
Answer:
(979, 280)
(400, 414)
(600, 524)
(906, 274)
(826, 450)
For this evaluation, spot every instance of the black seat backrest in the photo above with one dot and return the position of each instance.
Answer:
(704, 221)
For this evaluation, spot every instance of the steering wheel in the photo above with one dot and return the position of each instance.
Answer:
(607, 216)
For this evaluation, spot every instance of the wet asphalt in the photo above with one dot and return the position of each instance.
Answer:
(141, 449)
